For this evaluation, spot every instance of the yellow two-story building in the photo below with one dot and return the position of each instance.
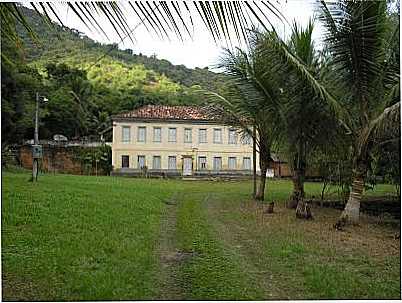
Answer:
(178, 141)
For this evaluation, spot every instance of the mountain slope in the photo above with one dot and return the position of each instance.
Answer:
(62, 44)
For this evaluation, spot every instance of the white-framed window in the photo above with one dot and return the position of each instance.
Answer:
(217, 135)
(217, 163)
(247, 163)
(156, 162)
(232, 136)
(125, 161)
(246, 139)
(172, 134)
(140, 162)
(202, 135)
(125, 134)
(172, 162)
(188, 134)
(232, 163)
(202, 162)
(142, 134)
(157, 134)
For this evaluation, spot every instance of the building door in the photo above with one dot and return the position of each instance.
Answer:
(141, 162)
(125, 161)
(187, 166)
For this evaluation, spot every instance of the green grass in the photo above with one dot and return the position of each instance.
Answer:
(81, 238)
(97, 238)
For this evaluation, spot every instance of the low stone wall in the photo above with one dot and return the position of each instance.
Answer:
(59, 159)
(172, 173)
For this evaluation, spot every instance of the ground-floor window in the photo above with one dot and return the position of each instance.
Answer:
(125, 161)
(217, 163)
(232, 163)
(156, 163)
(247, 163)
(141, 161)
(202, 162)
(172, 162)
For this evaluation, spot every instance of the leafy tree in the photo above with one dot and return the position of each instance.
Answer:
(364, 47)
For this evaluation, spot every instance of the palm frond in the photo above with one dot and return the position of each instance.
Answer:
(275, 47)
(224, 20)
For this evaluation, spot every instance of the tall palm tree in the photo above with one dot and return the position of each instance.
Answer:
(364, 59)
(253, 101)
(305, 121)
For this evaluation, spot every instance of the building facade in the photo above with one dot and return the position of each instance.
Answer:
(178, 141)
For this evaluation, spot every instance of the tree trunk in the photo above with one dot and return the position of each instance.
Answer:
(351, 213)
(261, 187)
(298, 188)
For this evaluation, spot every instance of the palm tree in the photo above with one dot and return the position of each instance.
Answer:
(304, 124)
(364, 60)
(224, 20)
(252, 102)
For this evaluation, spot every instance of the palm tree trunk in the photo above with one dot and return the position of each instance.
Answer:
(351, 213)
(261, 188)
(298, 188)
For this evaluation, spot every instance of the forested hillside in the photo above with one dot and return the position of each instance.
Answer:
(85, 81)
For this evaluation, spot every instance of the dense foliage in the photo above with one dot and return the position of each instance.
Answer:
(85, 81)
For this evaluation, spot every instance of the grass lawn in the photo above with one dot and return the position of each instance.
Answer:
(104, 238)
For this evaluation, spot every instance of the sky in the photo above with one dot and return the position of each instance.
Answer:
(200, 51)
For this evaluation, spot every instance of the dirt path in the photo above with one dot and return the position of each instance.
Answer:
(168, 254)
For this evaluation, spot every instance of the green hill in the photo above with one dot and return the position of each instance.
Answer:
(85, 81)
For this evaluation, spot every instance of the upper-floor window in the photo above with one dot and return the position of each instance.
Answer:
(232, 163)
(172, 134)
(217, 135)
(202, 135)
(246, 139)
(202, 162)
(157, 134)
(187, 135)
(125, 136)
(141, 134)
(232, 136)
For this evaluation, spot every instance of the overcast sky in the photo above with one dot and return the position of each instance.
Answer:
(201, 51)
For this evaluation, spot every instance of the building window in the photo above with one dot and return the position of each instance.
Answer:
(125, 161)
(125, 134)
(141, 162)
(232, 136)
(157, 134)
(217, 163)
(141, 134)
(232, 163)
(172, 162)
(202, 135)
(247, 163)
(187, 135)
(202, 163)
(156, 163)
(246, 139)
(217, 135)
(172, 134)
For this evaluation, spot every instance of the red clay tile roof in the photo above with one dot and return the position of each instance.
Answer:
(164, 112)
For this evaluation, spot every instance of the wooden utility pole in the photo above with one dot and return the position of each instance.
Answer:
(35, 164)
(254, 163)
